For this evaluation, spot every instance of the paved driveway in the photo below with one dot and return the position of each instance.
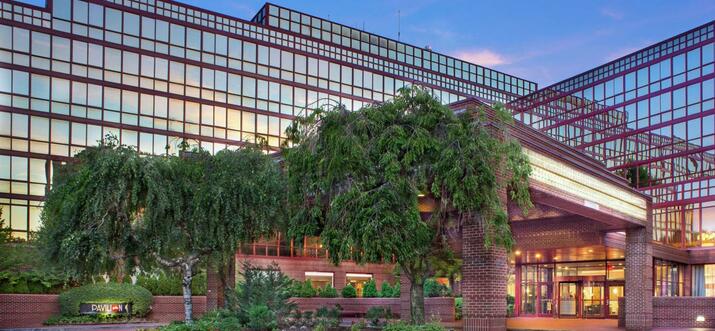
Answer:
(547, 323)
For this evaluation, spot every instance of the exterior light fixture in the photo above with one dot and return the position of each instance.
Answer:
(537, 255)
(590, 251)
(700, 318)
(517, 253)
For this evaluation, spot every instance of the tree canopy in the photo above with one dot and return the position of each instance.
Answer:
(89, 214)
(115, 204)
(357, 179)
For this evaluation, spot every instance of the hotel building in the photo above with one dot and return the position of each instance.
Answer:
(156, 73)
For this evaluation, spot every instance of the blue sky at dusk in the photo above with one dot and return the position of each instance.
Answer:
(543, 41)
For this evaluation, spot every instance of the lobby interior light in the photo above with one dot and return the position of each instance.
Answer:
(537, 255)
(700, 318)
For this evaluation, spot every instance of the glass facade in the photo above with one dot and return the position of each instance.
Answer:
(156, 73)
(668, 278)
(649, 117)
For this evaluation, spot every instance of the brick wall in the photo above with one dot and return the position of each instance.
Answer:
(27, 310)
(296, 267)
(171, 308)
(435, 308)
(678, 312)
(31, 310)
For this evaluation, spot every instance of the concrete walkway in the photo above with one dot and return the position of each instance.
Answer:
(547, 323)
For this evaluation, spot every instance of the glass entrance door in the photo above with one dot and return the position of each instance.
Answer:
(614, 292)
(568, 300)
(592, 297)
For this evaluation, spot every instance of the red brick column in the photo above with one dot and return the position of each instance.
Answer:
(405, 308)
(214, 291)
(639, 279)
(484, 281)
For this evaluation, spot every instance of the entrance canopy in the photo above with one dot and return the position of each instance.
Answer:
(577, 200)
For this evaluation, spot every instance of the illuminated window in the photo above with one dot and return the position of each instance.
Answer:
(357, 281)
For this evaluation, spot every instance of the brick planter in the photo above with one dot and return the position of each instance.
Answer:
(27, 310)
(31, 310)
(678, 312)
(435, 308)
(171, 308)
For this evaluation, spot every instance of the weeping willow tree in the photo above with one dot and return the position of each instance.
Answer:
(114, 209)
(89, 216)
(356, 179)
(199, 205)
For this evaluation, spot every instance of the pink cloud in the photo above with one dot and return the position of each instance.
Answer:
(484, 57)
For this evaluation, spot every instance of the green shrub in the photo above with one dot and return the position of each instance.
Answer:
(403, 326)
(458, 308)
(386, 290)
(509, 305)
(327, 317)
(434, 289)
(214, 320)
(31, 282)
(139, 297)
(396, 291)
(328, 292)
(349, 291)
(86, 319)
(163, 283)
(260, 317)
(304, 289)
(359, 326)
(263, 287)
(378, 315)
(370, 289)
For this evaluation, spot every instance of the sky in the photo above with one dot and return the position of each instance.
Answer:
(544, 41)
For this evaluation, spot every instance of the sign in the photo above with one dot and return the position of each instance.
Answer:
(105, 308)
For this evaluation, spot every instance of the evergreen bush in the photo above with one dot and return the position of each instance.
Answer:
(139, 297)
(349, 291)
(370, 289)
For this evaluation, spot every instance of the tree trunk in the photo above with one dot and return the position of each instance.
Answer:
(451, 284)
(226, 271)
(188, 272)
(417, 300)
(120, 265)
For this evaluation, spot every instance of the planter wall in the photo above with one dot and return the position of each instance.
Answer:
(678, 312)
(435, 308)
(27, 310)
(31, 310)
(171, 308)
